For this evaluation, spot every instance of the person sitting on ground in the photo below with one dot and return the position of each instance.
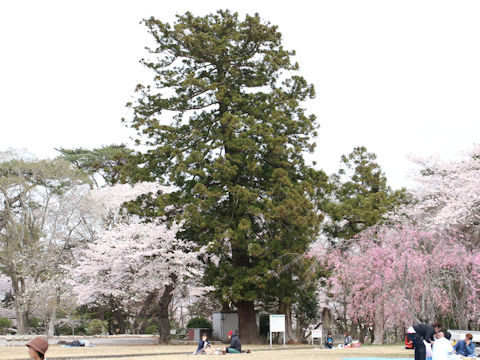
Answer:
(235, 344)
(37, 348)
(329, 341)
(347, 339)
(442, 347)
(203, 345)
(465, 347)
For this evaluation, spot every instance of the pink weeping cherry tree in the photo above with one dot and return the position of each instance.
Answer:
(424, 263)
(392, 277)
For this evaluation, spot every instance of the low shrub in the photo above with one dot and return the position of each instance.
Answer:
(97, 326)
(5, 323)
(151, 329)
(199, 322)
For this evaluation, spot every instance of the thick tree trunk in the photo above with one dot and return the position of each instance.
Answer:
(327, 322)
(51, 323)
(299, 331)
(118, 325)
(371, 331)
(379, 325)
(247, 323)
(399, 333)
(354, 331)
(362, 333)
(148, 310)
(286, 309)
(22, 322)
(101, 312)
(163, 318)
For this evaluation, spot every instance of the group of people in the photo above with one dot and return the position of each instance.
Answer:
(39, 346)
(347, 340)
(205, 348)
(430, 341)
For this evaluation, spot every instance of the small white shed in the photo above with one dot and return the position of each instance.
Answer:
(226, 320)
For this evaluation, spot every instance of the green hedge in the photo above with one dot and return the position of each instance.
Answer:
(199, 322)
(97, 326)
(151, 329)
(5, 323)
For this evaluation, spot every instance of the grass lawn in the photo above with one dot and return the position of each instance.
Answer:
(292, 352)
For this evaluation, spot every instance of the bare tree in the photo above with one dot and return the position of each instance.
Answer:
(39, 221)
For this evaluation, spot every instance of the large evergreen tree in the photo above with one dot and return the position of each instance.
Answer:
(105, 165)
(358, 195)
(223, 122)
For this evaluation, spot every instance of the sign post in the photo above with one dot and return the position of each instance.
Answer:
(317, 334)
(277, 324)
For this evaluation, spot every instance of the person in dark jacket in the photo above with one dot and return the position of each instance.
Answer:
(235, 344)
(419, 332)
(203, 345)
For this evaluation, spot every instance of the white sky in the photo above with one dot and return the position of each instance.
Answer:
(396, 76)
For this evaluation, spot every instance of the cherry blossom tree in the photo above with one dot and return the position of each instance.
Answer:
(447, 196)
(391, 277)
(424, 263)
(136, 263)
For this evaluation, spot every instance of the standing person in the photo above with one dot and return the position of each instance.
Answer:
(347, 339)
(465, 347)
(419, 332)
(37, 348)
(235, 344)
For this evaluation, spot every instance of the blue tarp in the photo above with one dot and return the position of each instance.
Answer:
(376, 358)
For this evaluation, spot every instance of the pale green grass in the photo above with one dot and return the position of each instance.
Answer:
(292, 352)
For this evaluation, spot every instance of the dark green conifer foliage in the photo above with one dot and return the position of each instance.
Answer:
(223, 121)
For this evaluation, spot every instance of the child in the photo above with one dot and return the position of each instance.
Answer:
(329, 341)
(203, 345)
(37, 348)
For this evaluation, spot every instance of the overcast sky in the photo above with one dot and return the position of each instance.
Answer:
(399, 77)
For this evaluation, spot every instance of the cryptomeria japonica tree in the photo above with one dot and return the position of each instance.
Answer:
(223, 122)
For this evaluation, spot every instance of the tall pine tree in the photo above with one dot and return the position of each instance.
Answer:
(223, 122)
(358, 195)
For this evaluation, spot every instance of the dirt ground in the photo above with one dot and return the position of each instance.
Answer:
(179, 352)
